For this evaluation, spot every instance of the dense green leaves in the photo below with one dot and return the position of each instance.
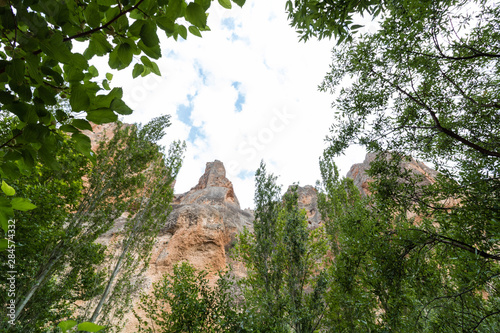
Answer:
(56, 239)
(413, 257)
(285, 262)
(323, 18)
(193, 305)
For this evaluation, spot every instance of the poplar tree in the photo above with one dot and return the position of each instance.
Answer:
(285, 262)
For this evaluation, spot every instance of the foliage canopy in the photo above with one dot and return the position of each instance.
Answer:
(46, 48)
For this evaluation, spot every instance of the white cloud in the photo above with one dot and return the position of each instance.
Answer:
(283, 119)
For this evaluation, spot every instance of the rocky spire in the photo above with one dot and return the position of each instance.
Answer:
(212, 188)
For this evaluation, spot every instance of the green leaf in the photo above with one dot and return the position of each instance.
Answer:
(22, 204)
(4, 220)
(55, 48)
(106, 2)
(93, 15)
(196, 15)
(16, 70)
(4, 243)
(24, 111)
(239, 2)
(109, 76)
(82, 143)
(67, 325)
(125, 54)
(93, 71)
(135, 28)
(47, 95)
(98, 45)
(104, 101)
(166, 24)
(46, 154)
(69, 129)
(61, 115)
(90, 327)
(33, 64)
(151, 65)
(6, 212)
(174, 9)
(138, 69)
(7, 189)
(23, 90)
(81, 124)
(119, 106)
(102, 116)
(205, 4)
(79, 100)
(153, 52)
(225, 3)
(114, 61)
(182, 31)
(148, 34)
(194, 30)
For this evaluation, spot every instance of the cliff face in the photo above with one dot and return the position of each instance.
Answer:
(200, 229)
(361, 179)
(308, 201)
(202, 224)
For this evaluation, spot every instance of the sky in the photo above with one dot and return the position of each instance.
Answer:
(244, 92)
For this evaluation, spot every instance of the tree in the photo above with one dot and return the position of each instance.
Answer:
(40, 68)
(183, 301)
(352, 234)
(148, 210)
(425, 84)
(73, 277)
(131, 174)
(390, 273)
(285, 262)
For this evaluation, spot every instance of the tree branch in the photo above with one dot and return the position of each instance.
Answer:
(482, 319)
(89, 32)
(439, 127)
(459, 244)
(443, 56)
(15, 136)
(494, 105)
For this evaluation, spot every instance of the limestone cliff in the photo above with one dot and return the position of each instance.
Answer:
(361, 179)
(202, 224)
(308, 200)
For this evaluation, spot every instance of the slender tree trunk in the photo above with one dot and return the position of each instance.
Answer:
(37, 284)
(104, 296)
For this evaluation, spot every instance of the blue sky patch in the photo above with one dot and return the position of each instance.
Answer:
(244, 174)
(241, 98)
(201, 73)
(184, 113)
(228, 23)
(195, 133)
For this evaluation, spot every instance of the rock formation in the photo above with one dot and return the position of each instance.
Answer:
(308, 200)
(202, 224)
(200, 229)
(361, 179)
